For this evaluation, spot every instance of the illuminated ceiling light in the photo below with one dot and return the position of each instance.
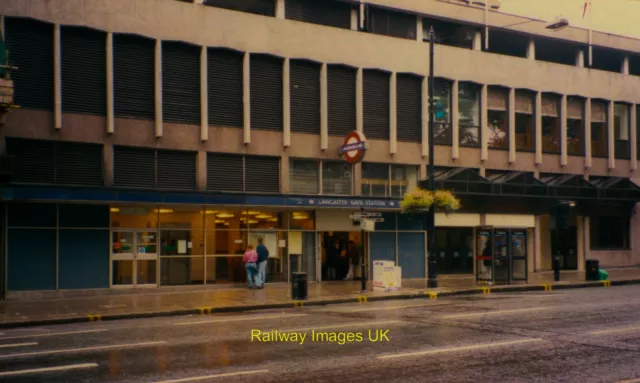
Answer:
(115, 210)
(300, 216)
(226, 223)
(210, 211)
(263, 216)
(225, 215)
(163, 211)
(250, 212)
(274, 219)
(220, 221)
(252, 221)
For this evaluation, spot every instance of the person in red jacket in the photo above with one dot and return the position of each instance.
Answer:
(250, 259)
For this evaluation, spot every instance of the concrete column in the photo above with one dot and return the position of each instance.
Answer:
(580, 58)
(477, 41)
(280, 6)
(538, 115)
(531, 50)
(610, 135)
(581, 250)
(563, 130)
(511, 109)
(633, 124)
(422, 170)
(625, 65)
(354, 19)
(107, 160)
(201, 169)
(359, 101)
(586, 241)
(357, 179)
(419, 29)
(393, 117)
(158, 85)
(455, 121)
(246, 97)
(537, 245)
(286, 104)
(484, 123)
(587, 133)
(57, 78)
(204, 95)
(425, 117)
(109, 70)
(284, 175)
(324, 109)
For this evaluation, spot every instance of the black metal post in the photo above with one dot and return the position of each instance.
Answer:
(556, 258)
(432, 282)
(363, 268)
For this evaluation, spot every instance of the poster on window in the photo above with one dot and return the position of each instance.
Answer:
(270, 240)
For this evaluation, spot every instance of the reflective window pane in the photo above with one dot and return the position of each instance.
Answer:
(190, 217)
(181, 271)
(226, 242)
(304, 176)
(302, 220)
(134, 217)
(550, 134)
(525, 132)
(498, 129)
(122, 272)
(122, 242)
(181, 242)
(375, 180)
(469, 114)
(146, 272)
(404, 178)
(147, 242)
(337, 178)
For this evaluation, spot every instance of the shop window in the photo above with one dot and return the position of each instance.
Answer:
(498, 118)
(258, 7)
(599, 139)
(375, 90)
(525, 121)
(391, 23)
(621, 131)
(409, 107)
(304, 176)
(442, 105)
(337, 178)
(575, 126)
(182, 245)
(181, 271)
(609, 233)
(469, 114)
(302, 220)
(133, 217)
(550, 124)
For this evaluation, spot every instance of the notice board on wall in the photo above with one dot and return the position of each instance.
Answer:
(270, 240)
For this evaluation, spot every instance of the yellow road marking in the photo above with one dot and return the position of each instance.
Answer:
(362, 299)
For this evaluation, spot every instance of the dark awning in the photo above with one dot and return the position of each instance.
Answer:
(570, 186)
(617, 188)
(463, 181)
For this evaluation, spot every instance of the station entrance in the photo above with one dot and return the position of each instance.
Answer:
(501, 255)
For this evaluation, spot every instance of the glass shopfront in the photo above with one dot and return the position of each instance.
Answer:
(501, 255)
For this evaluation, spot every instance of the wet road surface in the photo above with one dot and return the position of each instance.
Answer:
(585, 335)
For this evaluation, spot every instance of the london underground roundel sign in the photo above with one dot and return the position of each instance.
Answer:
(354, 147)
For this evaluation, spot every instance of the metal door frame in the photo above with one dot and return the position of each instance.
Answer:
(134, 257)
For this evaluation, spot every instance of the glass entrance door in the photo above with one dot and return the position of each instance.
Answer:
(519, 255)
(501, 255)
(134, 258)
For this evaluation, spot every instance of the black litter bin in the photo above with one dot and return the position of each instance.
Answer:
(299, 286)
(592, 270)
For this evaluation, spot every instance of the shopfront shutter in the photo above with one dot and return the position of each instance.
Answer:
(304, 176)
(598, 111)
(34, 160)
(133, 76)
(83, 66)
(134, 167)
(575, 108)
(180, 83)
(524, 102)
(225, 172)
(330, 13)
(225, 91)
(497, 98)
(341, 89)
(266, 92)
(176, 169)
(79, 164)
(30, 46)
(258, 7)
(409, 107)
(262, 174)
(305, 96)
(375, 89)
(550, 105)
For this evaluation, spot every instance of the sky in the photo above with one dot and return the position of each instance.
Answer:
(620, 17)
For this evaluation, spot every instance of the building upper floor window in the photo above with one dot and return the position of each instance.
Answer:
(240, 173)
(391, 23)
(449, 33)
(307, 176)
(575, 126)
(525, 120)
(469, 114)
(388, 180)
(442, 106)
(550, 123)
(599, 138)
(497, 116)
(331, 13)
(258, 7)
(621, 131)
(609, 232)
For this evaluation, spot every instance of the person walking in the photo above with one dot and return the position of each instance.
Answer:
(263, 255)
(250, 259)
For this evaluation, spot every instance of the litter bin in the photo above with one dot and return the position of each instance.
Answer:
(299, 286)
(592, 270)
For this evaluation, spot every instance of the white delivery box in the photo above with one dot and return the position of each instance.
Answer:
(386, 276)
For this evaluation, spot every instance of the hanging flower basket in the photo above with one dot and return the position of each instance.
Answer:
(421, 200)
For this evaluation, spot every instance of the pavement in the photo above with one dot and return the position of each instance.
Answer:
(573, 335)
(122, 304)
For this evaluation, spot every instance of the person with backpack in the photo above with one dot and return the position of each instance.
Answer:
(263, 255)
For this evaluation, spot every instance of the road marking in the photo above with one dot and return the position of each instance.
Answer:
(72, 350)
(609, 331)
(215, 376)
(462, 348)
(630, 381)
(18, 344)
(363, 324)
(53, 334)
(357, 310)
(493, 313)
(238, 319)
(50, 369)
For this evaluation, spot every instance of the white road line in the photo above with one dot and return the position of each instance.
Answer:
(493, 313)
(609, 331)
(630, 381)
(195, 378)
(238, 319)
(53, 334)
(18, 344)
(358, 324)
(462, 348)
(49, 369)
(72, 350)
(348, 310)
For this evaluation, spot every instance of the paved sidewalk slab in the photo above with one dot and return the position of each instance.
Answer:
(152, 303)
